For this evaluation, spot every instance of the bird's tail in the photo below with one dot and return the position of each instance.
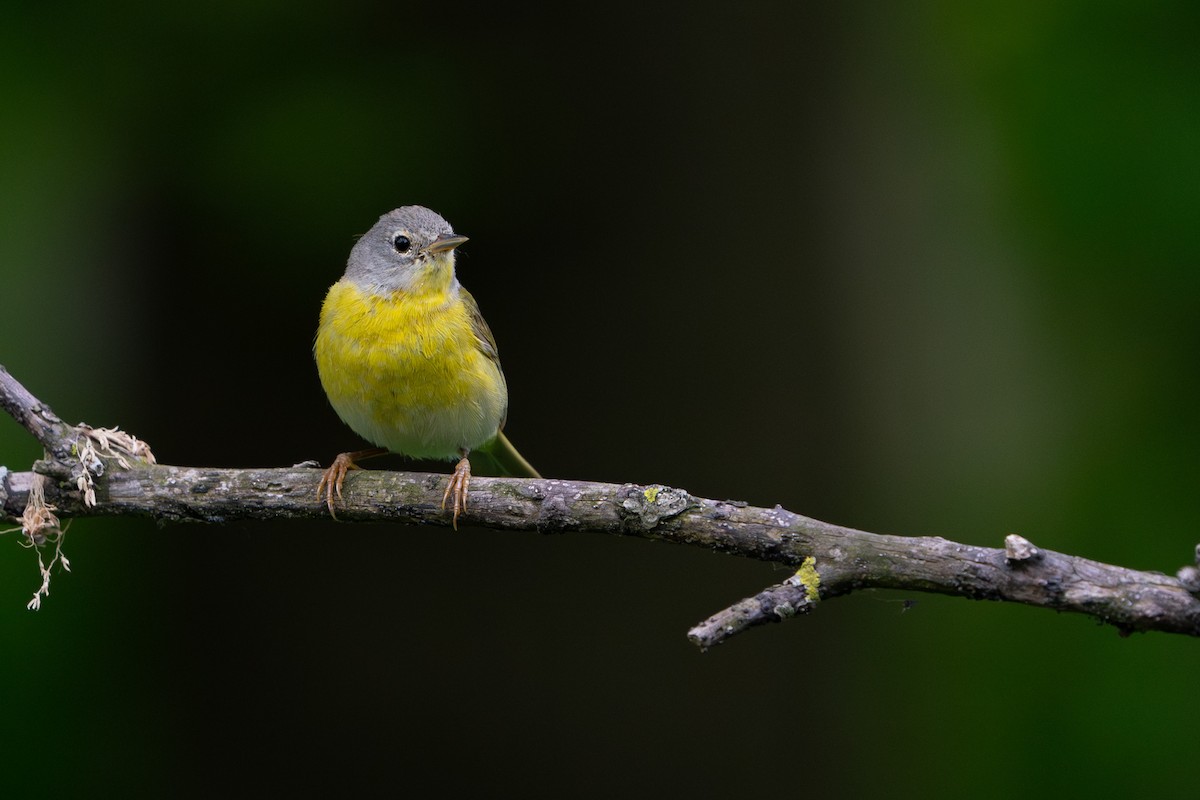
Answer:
(504, 459)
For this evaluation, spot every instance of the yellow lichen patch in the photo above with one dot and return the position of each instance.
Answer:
(808, 575)
(651, 494)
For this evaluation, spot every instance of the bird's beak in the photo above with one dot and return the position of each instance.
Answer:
(444, 243)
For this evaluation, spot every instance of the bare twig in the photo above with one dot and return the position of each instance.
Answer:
(830, 560)
(34, 416)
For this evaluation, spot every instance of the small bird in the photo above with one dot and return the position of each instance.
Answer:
(407, 360)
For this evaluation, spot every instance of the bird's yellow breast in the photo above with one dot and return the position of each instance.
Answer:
(406, 371)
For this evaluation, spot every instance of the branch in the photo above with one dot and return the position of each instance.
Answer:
(34, 416)
(829, 560)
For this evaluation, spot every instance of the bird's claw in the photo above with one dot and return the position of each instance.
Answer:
(332, 479)
(456, 490)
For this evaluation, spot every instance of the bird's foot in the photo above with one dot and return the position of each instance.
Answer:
(332, 479)
(456, 490)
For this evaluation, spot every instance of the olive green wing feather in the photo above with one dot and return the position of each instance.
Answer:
(484, 338)
(504, 457)
(479, 326)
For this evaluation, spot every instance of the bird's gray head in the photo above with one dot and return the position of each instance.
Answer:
(410, 249)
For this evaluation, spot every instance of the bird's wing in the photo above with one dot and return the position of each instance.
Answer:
(479, 326)
(483, 336)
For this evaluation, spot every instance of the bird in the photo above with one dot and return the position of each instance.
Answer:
(408, 362)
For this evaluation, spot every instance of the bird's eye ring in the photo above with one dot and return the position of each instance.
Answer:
(401, 243)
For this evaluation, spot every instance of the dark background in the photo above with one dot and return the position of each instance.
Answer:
(928, 269)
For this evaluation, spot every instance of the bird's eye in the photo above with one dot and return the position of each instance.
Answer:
(402, 244)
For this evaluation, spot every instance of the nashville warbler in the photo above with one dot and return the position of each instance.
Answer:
(407, 360)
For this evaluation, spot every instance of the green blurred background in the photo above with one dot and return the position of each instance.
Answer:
(924, 268)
